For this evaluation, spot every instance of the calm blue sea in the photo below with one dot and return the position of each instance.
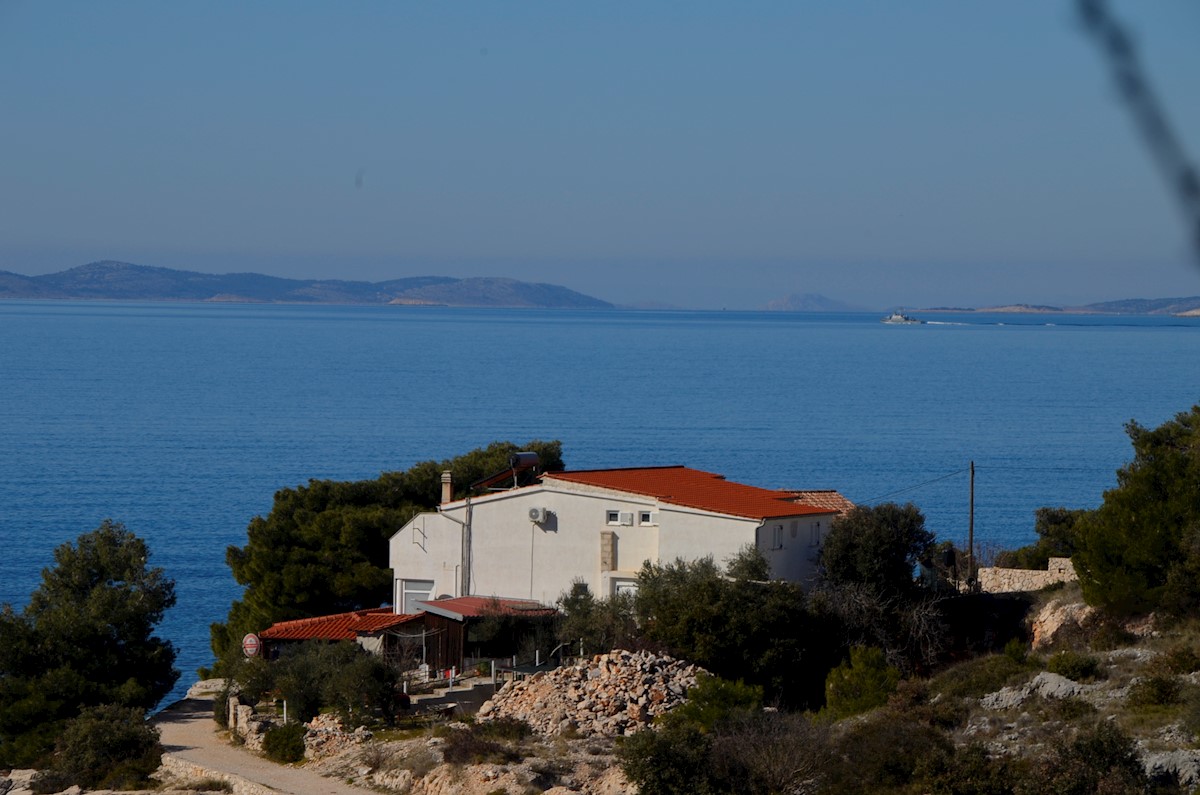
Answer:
(182, 420)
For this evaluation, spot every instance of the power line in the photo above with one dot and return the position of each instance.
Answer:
(1117, 46)
(919, 485)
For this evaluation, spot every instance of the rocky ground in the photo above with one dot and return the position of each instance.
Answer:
(1148, 684)
(575, 712)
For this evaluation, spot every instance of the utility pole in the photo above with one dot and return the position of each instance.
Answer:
(971, 535)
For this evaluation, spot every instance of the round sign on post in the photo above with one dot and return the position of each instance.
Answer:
(251, 645)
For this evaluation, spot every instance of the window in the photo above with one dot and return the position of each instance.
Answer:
(814, 538)
(647, 517)
(612, 517)
(777, 537)
(795, 527)
(413, 591)
(623, 586)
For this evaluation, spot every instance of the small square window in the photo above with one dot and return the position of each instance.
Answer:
(612, 517)
(645, 517)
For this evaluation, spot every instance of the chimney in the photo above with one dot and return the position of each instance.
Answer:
(447, 487)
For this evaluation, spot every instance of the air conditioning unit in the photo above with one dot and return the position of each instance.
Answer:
(538, 515)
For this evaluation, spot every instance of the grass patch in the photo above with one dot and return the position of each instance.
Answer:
(983, 675)
(468, 747)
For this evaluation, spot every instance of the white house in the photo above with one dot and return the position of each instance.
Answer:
(600, 526)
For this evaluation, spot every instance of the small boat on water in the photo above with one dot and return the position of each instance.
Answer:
(900, 317)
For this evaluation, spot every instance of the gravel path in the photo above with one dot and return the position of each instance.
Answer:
(189, 734)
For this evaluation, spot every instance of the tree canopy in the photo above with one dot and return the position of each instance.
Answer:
(1140, 550)
(85, 639)
(738, 627)
(323, 548)
(877, 546)
(1058, 537)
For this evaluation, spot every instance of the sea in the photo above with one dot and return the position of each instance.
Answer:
(183, 420)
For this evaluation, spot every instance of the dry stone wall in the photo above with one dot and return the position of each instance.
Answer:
(997, 580)
(611, 694)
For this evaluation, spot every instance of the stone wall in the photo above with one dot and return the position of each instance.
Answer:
(997, 580)
(179, 772)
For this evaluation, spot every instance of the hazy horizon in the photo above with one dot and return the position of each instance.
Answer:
(700, 155)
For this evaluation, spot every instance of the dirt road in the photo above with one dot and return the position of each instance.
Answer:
(189, 735)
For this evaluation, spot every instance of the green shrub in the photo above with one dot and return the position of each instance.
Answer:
(1017, 651)
(1099, 759)
(978, 677)
(1179, 659)
(714, 701)
(285, 743)
(964, 771)
(862, 683)
(673, 760)
(1155, 690)
(1074, 665)
(882, 754)
(1069, 710)
(108, 747)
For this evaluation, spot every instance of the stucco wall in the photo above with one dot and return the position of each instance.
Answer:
(516, 557)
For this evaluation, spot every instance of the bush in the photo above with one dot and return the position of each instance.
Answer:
(285, 743)
(978, 677)
(472, 746)
(1155, 690)
(1100, 759)
(770, 752)
(883, 753)
(965, 771)
(714, 701)
(862, 683)
(107, 747)
(1073, 665)
(1180, 659)
(673, 760)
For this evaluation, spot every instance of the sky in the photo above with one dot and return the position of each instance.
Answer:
(707, 155)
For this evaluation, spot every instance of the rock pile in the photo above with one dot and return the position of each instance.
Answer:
(325, 736)
(611, 694)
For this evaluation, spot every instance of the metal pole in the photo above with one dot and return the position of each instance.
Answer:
(971, 534)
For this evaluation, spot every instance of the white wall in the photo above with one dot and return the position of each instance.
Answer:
(792, 554)
(515, 557)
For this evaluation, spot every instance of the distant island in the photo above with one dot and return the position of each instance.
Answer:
(1188, 307)
(123, 281)
(1182, 307)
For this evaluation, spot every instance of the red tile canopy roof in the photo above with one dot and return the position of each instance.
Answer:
(692, 488)
(341, 626)
(462, 607)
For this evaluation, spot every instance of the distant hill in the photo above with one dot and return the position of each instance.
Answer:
(809, 302)
(1147, 306)
(1128, 306)
(124, 281)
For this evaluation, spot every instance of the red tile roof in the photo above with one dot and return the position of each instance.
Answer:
(341, 626)
(823, 498)
(693, 488)
(460, 607)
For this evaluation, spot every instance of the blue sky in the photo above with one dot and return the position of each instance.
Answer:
(698, 154)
